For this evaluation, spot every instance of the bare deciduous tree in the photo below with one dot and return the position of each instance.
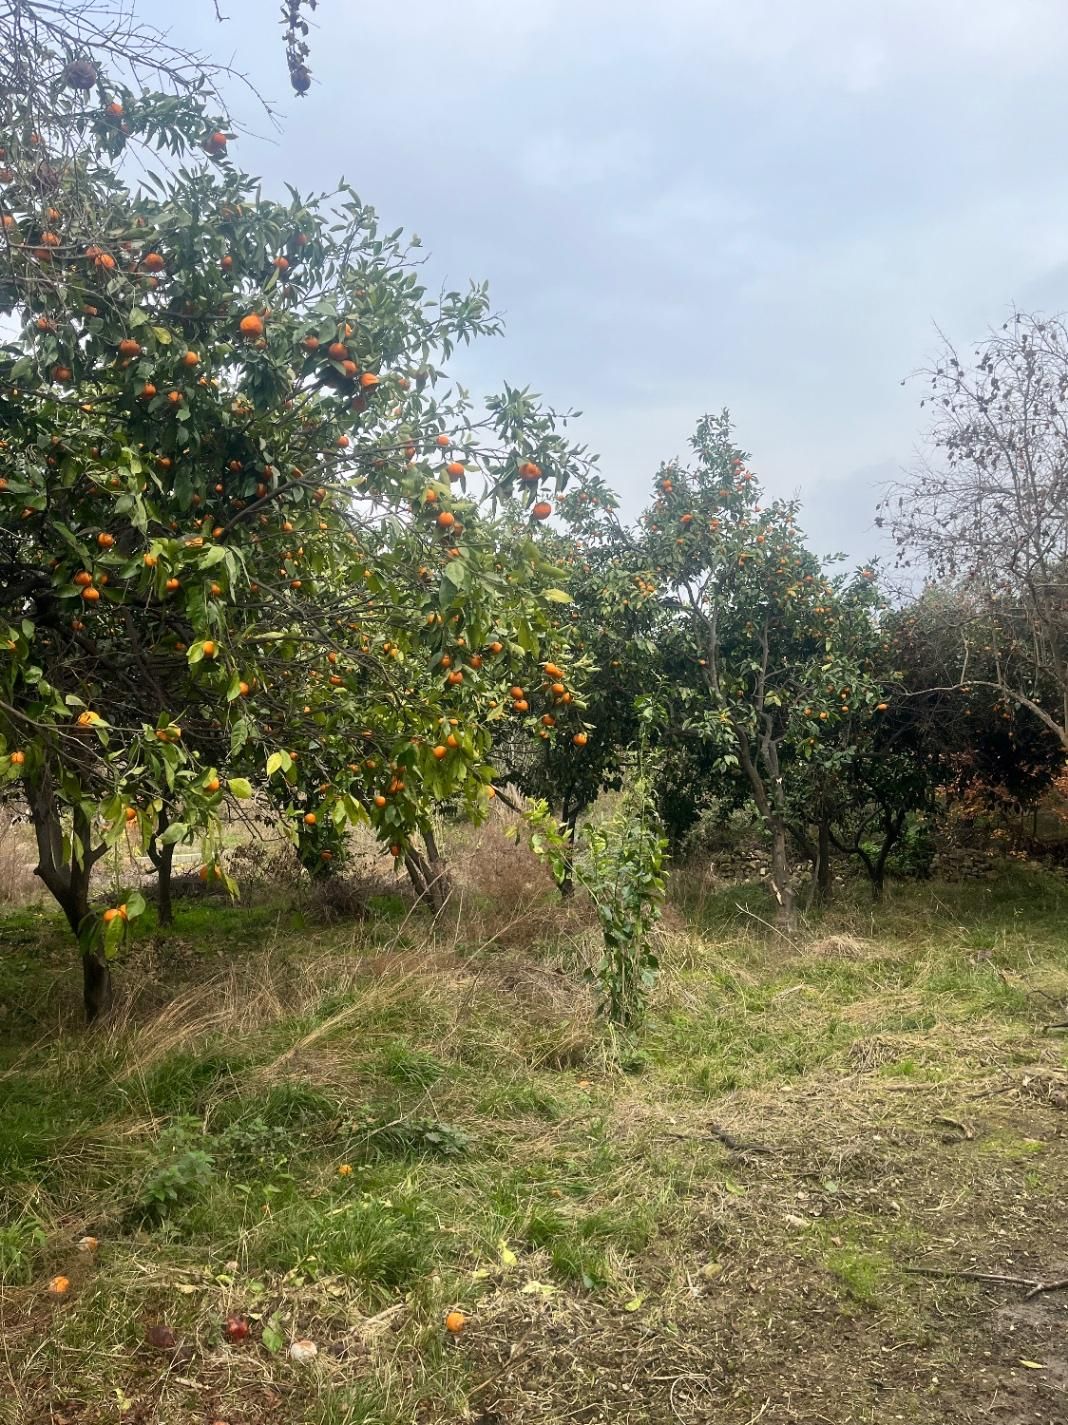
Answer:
(988, 510)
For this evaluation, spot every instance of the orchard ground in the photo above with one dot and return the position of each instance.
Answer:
(343, 1129)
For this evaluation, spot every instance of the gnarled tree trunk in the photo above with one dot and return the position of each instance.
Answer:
(428, 873)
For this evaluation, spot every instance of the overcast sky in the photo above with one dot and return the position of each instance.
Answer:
(764, 204)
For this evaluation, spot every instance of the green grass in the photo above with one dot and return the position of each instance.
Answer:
(358, 1141)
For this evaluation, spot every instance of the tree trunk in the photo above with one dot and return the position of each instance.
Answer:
(893, 826)
(439, 887)
(164, 901)
(162, 858)
(97, 993)
(67, 879)
(416, 867)
(569, 816)
(428, 874)
(823, 861)
(775, 817)
(785, 895)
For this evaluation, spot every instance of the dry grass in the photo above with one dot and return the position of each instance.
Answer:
(616, 1258)
(18, 885)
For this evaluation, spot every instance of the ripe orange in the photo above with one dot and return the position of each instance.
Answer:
(548, 720)
(172, 584)
(558, 689)
(369, 379)
(516, 692)
(148, 391)
(521, 705)
(454, 469)
(90, 595)
(440, 752)
(343, 442)
(18, 759)
(105, 540)
(311, 343)
(82, 578)
(104, 261)
(455, 677)
(174, 397)
(251, 325)
(443, 441)
(209, 648)
(452, 740)
(455, 1322)
(282, 263)
(310, 818)
(129, 347)
(580, 739)
(59, 1286)
(542, 510)
(337, 351)
(131, 813)
(61, 373)
(475, 661)
(446, 519)
(243, 689)
(380, 800)
(529, 471)
(153, 262)
(350, 369)
(496, 646)
(191, 358)
(226, 262)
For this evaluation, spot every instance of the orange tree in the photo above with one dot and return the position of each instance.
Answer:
(607, 648)
(242, 515)
(772, 642)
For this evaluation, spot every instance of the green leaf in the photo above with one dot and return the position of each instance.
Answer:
(455, 573)
(176, 832)
(162, 335)
(557, 596)
(239, 787)
(272, 1338)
